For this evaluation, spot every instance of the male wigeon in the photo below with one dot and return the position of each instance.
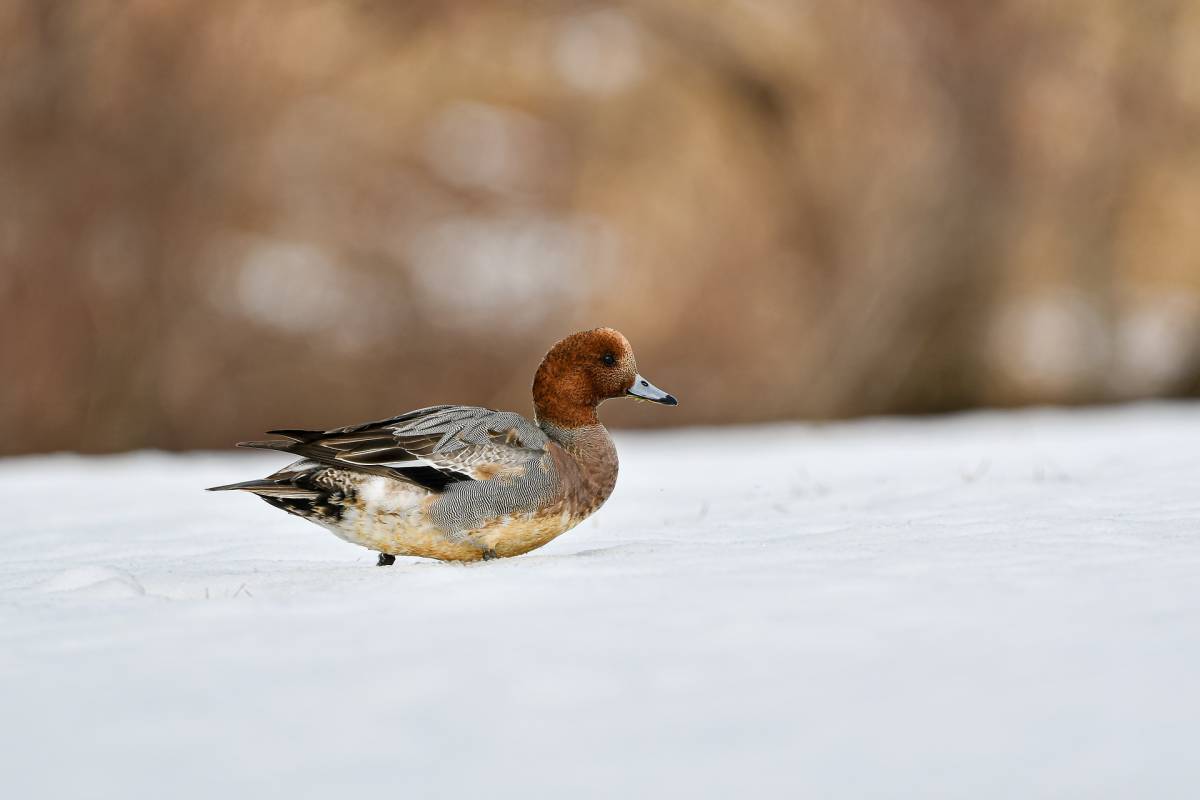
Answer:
(462, 483)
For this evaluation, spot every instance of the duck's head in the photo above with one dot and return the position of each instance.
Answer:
(585, 369)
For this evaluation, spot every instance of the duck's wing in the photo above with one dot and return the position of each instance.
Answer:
(454, 443)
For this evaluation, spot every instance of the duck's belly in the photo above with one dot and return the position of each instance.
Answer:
(402, 535)
(392, 517)
(512, 536)
(399, 537)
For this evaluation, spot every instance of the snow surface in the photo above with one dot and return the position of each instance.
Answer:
(987, 606)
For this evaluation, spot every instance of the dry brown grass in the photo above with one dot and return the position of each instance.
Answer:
(218, 217)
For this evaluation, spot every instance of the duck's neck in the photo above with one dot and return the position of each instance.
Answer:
(586, 463)
(565, 408)
(588, 443)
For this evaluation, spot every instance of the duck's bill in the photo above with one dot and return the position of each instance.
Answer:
(645, 390)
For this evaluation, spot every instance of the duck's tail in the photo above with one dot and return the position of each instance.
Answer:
(293, 490)
(268, 488)
(270, 444)
(283, 484)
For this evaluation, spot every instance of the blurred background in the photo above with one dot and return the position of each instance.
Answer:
(221, 217)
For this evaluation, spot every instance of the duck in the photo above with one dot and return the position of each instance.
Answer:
(466, 483)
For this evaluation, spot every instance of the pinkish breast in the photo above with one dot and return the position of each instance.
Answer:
(586, 462)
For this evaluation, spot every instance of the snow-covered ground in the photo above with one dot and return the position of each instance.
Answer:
(987, 606)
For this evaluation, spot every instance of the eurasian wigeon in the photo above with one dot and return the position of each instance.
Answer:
(462, 483)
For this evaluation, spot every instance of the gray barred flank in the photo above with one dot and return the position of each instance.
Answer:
(472, 505)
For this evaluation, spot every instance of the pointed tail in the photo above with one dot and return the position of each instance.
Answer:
(247, 485)
(269, 488)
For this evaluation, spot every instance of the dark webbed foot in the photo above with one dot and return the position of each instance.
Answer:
(489, 554)
(385, 560)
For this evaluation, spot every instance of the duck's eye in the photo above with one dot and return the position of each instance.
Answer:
(609, 359)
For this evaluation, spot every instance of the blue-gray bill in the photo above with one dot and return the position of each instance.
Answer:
(645, 390)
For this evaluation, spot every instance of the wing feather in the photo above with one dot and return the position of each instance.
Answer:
(460, 442)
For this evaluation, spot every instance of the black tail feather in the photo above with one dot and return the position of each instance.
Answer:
(270, 444)
(249, 486)
(297, 494)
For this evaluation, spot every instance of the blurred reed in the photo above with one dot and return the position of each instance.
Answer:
(225, 216)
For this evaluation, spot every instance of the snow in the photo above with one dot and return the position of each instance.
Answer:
(988, 606)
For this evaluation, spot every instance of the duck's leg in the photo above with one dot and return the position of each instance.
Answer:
(385, 560)
(489, 554)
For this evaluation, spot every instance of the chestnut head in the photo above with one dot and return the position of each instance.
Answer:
(585, 369)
